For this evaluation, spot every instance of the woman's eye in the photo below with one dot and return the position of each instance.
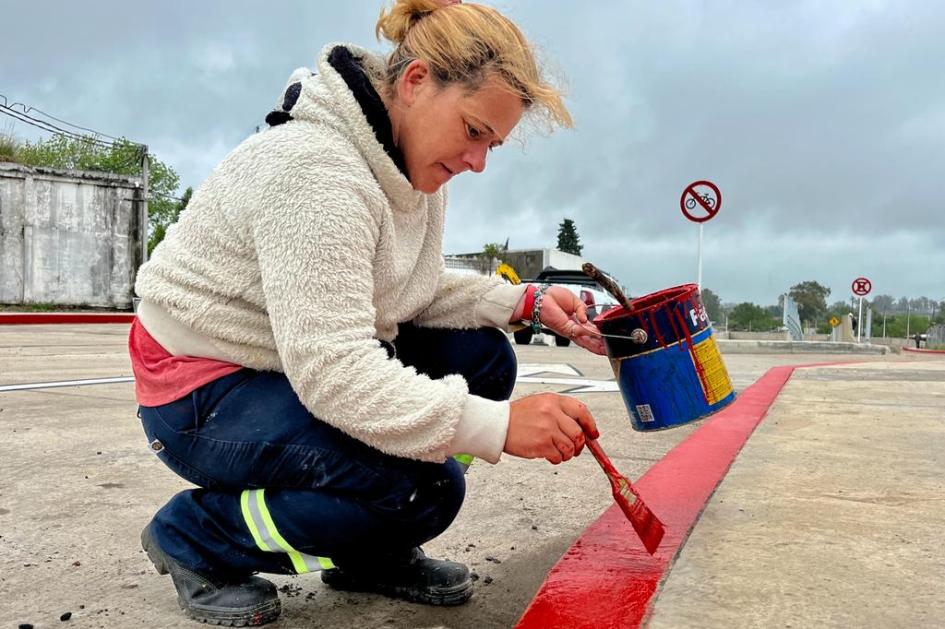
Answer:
(473, 132)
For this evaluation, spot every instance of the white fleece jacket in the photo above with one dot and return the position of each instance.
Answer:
(304, 246)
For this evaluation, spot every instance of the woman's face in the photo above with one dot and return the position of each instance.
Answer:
(444, 131)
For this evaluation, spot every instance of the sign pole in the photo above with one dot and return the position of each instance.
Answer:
(700, 201)
(859, 322)
(861, 288)
(700, 257)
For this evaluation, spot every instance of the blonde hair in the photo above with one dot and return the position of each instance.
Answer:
(466, 43)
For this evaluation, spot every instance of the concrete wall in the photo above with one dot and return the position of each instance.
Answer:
(67, 237)
(720, 333)
(564, 261)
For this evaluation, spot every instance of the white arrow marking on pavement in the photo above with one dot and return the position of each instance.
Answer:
(64, 383)
(583, 385)
(530, 369)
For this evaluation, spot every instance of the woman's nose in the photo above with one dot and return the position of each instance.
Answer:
(475, 158)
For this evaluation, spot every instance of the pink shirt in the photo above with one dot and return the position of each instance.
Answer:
(161, 378)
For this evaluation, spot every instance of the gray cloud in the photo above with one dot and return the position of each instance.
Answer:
(822, 122)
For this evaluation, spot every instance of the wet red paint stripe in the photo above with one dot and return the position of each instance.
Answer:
(919, 350)
(606, 578)
(43, 318)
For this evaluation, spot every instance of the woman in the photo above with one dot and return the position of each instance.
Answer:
(301, 355)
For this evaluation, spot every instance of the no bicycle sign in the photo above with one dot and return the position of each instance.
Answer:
(861, 286)
(700, 201)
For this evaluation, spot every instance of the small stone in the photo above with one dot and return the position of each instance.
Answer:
(25, 625)
(81, 606)
(534, 528)
(487, 580)
(65, 617)
(511, 547)
(99, 452)
(474, 576)
(76, 563)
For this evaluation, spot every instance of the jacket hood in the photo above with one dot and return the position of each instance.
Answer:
(327, 96)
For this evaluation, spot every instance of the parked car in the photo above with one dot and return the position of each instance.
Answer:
(596, 299)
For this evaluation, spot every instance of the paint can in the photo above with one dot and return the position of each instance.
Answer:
(676, 375)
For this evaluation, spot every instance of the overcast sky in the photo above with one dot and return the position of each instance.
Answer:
(823, 124)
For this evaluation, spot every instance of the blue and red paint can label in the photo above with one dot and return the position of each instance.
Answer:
(677, 375)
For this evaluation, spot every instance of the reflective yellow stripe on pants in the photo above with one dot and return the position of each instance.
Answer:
(267, 537)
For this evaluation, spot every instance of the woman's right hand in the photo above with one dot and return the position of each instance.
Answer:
(549, 426)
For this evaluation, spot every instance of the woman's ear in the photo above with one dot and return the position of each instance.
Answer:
(415, 79)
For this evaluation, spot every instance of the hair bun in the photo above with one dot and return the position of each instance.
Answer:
(394, 23)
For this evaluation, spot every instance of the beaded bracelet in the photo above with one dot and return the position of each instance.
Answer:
(536, 308)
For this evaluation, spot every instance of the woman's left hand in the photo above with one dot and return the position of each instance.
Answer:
(563, 312)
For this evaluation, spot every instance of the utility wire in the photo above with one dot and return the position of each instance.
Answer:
(23, 116)
(48, 126)
(27, 110)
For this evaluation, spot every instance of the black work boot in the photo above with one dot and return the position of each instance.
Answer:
(250, 601)
(419, 580)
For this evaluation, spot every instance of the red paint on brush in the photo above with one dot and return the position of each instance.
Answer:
(647, 526)
(43, 318)
(607, 564)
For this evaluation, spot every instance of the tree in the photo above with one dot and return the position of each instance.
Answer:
(121, 157)
(568, 239)
(160, 222)
(494, 251)
(811, 300)
(883, 303)
(748, 316)
(713, 305)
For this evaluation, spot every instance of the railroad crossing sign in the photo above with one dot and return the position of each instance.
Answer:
(862, 286)
(834, 321)
(700, 201)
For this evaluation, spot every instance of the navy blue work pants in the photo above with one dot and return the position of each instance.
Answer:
(280, 489)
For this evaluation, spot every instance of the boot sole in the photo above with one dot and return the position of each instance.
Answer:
(445, 597)
(261, 615)
(254, 617)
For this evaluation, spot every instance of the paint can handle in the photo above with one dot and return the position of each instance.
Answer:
(607, 284)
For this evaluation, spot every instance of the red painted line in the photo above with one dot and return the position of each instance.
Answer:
(43, 318)
(919, 350)
(606, 578)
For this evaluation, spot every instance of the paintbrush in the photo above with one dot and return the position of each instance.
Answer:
(607, 284)
(644, 521)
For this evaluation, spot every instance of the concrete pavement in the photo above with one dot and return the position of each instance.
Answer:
(77, 483)
(831, 514)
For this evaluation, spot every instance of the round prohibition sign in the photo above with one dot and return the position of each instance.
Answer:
(862, 286)
(700, 196)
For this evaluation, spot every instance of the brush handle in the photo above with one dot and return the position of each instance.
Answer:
(602, 460)
(607, 284)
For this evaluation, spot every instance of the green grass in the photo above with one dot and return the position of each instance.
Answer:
(8, 147)
(37, 307)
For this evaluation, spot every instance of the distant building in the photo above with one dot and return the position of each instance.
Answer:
(528, 263)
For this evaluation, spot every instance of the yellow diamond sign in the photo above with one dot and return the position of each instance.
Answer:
(834, 321)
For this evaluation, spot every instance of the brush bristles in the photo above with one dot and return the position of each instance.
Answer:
(645, 523)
